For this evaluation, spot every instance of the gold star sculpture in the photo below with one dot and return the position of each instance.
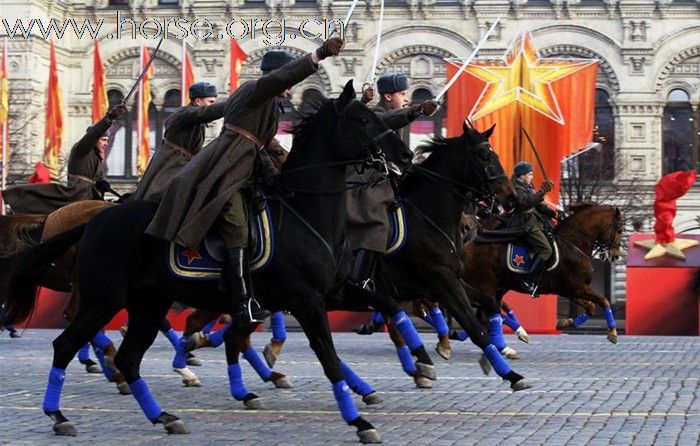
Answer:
(673, 249)
(521, 76)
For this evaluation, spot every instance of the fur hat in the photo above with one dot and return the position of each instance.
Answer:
(273, 60)
(202, 90)
(391, 83)
(522, 168)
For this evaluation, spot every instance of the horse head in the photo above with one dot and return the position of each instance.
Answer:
(603, 222)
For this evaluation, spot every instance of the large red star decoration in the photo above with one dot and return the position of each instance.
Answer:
(519, 260)
(522, 76)
(191, 255)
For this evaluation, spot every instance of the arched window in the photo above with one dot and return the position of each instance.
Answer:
(600, 165)
(680, 133)
(125, 134)
(425, 126)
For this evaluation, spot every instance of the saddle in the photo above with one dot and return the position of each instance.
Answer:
(519, 258)
(206, 262)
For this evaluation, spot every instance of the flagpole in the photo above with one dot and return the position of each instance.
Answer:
(139, 125)
(4, 130)
(182, 73)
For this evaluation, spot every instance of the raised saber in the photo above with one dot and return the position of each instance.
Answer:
(537, 155)
(371, 75)
(347, 17)
(469, 59)
(143, 73)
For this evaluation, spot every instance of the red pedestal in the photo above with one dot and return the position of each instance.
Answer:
(345, 320)
(48, 312)
(536, 315)
(660, 300)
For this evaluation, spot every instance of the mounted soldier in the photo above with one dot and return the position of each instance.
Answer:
(183, 138)
(85, 174)
(367, 206)
(207, 192)
(529, 214)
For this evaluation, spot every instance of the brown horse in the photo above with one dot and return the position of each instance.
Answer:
(590, 229)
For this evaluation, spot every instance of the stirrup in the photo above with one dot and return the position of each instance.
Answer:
(367, 284)
(261, 313)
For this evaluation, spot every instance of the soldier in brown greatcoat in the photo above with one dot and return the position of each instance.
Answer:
(207, 191)
(85, 174)
(183, 138)
(367, 206)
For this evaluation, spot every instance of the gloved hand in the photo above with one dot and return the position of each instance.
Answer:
(429, 107)
(547, 187)
(117, 111)
(103, 186)
(367, 95)
(330, 47)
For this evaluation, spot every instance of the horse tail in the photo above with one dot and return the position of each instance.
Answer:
(30, 268)
(19, 232)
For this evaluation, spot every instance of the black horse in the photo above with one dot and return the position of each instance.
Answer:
(120, 266)
(434, 197)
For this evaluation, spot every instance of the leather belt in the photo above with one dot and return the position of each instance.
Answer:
(178, 148)
(80, 177)
(246, 134)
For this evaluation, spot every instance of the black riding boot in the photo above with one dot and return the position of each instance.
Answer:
(246, 309)
(363, 268)
(532, 281)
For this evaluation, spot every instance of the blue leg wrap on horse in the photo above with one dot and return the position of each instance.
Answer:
(439, 322)
(279, 330)
(108, 373)
(377, 318)
(461, 336)
(101, 340)
(235, 381)
(511, 322)
(496, 331)
(511, 314)
(53, 389)
(499, 364)
(580, 319)
(357, 384)
(180, 359)
(217, 338)
(260, 367)
(207, 328)
(84, 353)
(407, 330)
(609, 317)
(344, 399)
(406, 359)
(143, 395)
(173, 337)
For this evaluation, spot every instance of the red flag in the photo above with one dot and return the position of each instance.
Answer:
(238, 56)
(143, 131)
(53, 132)
(187, 75)
(4, 114)
(99, 86)
(41, 174)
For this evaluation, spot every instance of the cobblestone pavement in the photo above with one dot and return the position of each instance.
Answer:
(587, 391)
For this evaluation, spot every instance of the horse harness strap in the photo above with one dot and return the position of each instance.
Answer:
(453, 246)
(81, 177)
(246, 134)
(178, 148)
(285, 205)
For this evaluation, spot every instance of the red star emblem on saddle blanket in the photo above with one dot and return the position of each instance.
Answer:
(191, 255)
(518, 260)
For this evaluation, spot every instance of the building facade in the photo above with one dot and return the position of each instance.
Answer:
(648, 91)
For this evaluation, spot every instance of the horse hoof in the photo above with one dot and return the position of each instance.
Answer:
(422, 382)
(123, 388)
(189, 379)
(282, 382)
(253, 404)
(372, 398)
(510, 353)
(564, 323)
(197, 340)
(194, 362)
(521, 385)
(522, 335)
(443, 352)
(176, 427)
(612, 337)
(426, 370)
(15, 335)
(485, 365)
(269, 356)
(93, 368)
(122, 330)
(65, 429)
(369, 436)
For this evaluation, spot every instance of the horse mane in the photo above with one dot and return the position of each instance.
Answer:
(435, 145)
(579, 207)
(303, 130)
(19, 232)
